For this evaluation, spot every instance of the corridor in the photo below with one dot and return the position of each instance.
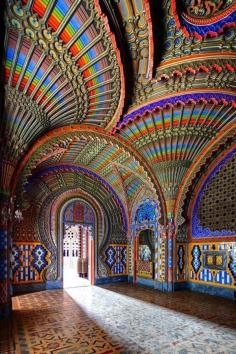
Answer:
(120, 319)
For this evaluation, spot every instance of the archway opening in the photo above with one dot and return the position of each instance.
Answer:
(78, 232)
(145, 254)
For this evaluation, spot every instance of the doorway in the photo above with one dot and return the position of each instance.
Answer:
(78, 232)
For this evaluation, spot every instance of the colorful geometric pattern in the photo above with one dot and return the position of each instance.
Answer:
(205, 275)
(215, 260)
(171, 132)
(121, 322)
(186, 112)
(79, 212)
(198, 230)
(196, 263)
(145, 269)
(115, 259)
(146, 212)
(50, 176)
(62, 67)
(110, 256)
(43, 334)
(146, 215)
(59, 54)
(29, 262)
(170, 251)
(223, 277)
(132, 183)
(39, 255)
(181, 255)
(15, 263)
(213, 264)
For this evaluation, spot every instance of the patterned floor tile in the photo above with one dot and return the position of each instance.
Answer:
(120, 319)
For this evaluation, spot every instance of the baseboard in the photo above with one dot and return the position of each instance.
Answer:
(33, 287)
(164, 286)
(111, 280)
(146, 282)
(183, 285)
(213, 290)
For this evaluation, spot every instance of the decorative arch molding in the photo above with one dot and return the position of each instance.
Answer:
(140, 198)
(62, 168)
(54, 214)
(73, 195)
(145, 215)
(92, 242)
(39, 23)
(94, 131)
(195, 229)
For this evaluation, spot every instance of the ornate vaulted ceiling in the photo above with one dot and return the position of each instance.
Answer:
(62, 67)
(170, 136)
(145, 91)
(106, 157)
(47, 185)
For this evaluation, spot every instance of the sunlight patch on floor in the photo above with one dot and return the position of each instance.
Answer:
(71, 278)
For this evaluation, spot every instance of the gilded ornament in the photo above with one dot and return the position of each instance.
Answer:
(47, 35)
(18, 11)
(53, 54)
(16, 23)
(30, 33)
(58, 46)
(67, 58)
(75, 69)
(42, 43)
(34, 22)
(62, 65)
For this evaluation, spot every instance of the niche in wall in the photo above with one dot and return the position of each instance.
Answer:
(146, 254)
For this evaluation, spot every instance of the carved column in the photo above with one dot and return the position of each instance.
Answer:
(158, 259)
(166, 255)
(135, 255)
(170, 255)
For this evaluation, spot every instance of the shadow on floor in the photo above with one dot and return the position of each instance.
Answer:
(6, 337)
(52, 322)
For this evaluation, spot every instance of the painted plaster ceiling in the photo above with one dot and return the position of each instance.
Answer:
(105, 156)
(62, 67)
(151, 84)
(171, 136)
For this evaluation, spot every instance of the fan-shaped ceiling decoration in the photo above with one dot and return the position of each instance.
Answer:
(171, 136)
(62, 67)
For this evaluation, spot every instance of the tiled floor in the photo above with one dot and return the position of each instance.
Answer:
(122, 319)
